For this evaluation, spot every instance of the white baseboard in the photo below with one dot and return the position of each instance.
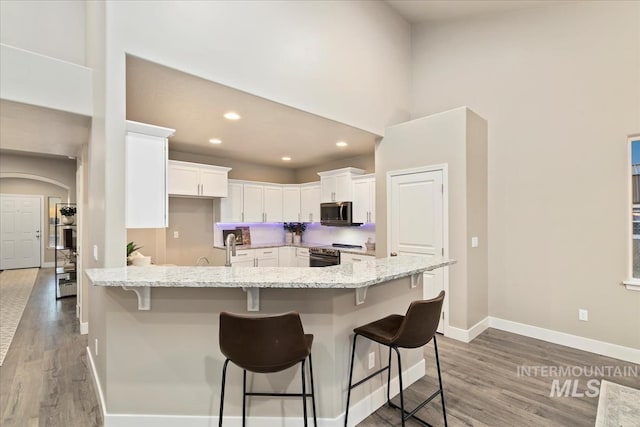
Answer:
(358, 411)
(84, 328)
(48, 264)
(615, 351)
(467, 335)
(96, 384)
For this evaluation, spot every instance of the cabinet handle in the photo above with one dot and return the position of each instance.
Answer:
(242, 215)
(264, 217)
(242, 254)
(356, 259)
(310, 217)
(270, 252)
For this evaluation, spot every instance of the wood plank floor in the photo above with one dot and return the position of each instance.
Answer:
(45, 381)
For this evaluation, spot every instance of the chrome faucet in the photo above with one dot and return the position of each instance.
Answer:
(231, 248)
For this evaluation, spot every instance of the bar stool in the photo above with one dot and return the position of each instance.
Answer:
(265, 344)
(412, 330)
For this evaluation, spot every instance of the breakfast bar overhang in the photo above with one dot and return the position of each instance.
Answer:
(161, 361)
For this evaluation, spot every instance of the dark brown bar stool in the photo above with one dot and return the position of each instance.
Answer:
(265, 344)
(412, 330)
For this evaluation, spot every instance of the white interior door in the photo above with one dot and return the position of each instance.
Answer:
(20, 231)
(416, 222)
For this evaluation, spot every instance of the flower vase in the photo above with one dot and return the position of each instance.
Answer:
(288, 237)
(68, 220)
(297, 238)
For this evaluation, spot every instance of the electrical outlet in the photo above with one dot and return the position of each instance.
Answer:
(474, 242)
(176, 234)
(583, 315)
(372, 360)
(96, 349)
(95, 252)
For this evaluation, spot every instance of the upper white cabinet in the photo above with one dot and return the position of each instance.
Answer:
(291, 203)
(146, 175)
(232, 205)
(364, 199)
(252, 202)
(194, 179)
(310, 202)
(336, 185)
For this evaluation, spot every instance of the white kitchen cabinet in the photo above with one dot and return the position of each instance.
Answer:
(302, 257)
(199, 180)
(253, 198)
(348, 258)
(286, 256)
(243, 258)
(267, 257)
(310, 202)
(291, 203)
(336, 185)
(272, 203)
(364, 199)
(146, 176)
(262, 203)
(232, 205)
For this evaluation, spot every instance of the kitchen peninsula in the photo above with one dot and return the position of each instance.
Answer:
(170, 334)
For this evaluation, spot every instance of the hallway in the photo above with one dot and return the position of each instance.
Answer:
(44, 379)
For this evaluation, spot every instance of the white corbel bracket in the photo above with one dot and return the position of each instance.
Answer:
(253, 298)
(144, 296)
(361, 295)
(415, 279)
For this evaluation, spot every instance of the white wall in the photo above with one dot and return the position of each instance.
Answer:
(52, 28)
(560, 89)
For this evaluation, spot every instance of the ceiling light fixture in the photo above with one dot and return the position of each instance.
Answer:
(215, 141)
(341, 144)
(232, 116)
(286, 158)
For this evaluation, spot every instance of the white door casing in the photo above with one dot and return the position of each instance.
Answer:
(417, 223)
(20, 231)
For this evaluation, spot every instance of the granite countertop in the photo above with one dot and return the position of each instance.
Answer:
(347, 276)
(356, 251)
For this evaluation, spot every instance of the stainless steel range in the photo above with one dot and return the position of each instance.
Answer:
(326, 256)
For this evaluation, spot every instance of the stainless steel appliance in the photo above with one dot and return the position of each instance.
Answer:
(336, 214)
(323, 257)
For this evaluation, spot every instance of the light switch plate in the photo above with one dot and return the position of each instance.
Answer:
(176, 234)
(474, 242)
(95, 252)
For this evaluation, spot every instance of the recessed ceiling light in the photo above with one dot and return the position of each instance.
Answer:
(341, 144)
(215, 141)
(286, 158)
(231, 116)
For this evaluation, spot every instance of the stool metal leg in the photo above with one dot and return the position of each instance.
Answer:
(224, 377)
(353, 354)
(304, 396)
(444, 412)
(244, 397)
(389, 379)
(313, 393)
(402, 412)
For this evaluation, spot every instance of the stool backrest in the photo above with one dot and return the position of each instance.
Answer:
(420, 323)
(263, 343)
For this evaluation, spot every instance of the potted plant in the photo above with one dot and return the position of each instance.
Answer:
(298, 229)
(289, 228)
(68, 214)
(131, 248)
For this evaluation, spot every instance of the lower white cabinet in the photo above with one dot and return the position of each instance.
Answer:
(267, 257)
(286, 256)
(302, 257)
(346, 258)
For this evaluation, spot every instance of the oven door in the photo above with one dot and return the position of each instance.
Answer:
(318, 260)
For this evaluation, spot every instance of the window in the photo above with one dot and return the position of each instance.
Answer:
(635, 213)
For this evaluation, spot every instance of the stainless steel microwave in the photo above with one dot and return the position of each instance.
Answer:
(336, 214)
